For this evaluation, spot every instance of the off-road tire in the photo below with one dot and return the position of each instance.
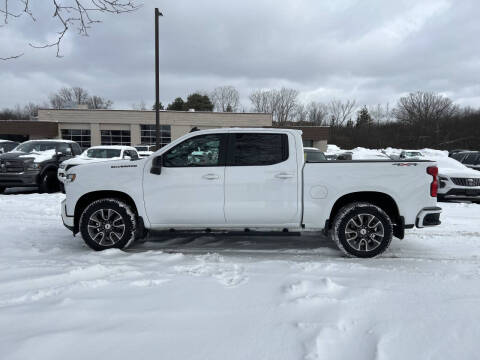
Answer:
(48, 182)
(366, 210)
(118, 209)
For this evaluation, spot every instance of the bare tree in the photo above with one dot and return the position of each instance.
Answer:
(286, 101)
(262, 101)
(340, 111)
(79, 14)
(424, 108)
(225, 98)
(98, 102)
(380, 113)
(141, 106)
(317, 113)
(281, 103)
(67, 98)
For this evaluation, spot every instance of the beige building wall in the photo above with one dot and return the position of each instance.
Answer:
(321, 145)
(181, 122)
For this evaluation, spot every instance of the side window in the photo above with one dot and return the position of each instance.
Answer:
(251, 149)
(203, 150)
(470, 159)
(133, 154)
(77, 150)
(64, 148)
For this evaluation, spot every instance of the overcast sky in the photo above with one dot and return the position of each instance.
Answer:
(369, 50)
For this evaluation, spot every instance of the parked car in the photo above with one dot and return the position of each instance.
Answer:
(98, 154)
(144, 150)
(313, 154)
(459, 156)
(35, 163)
(456, 151)
(256, 179)
(456, 181)
(411, 154)
(7, 145)
(471, 159)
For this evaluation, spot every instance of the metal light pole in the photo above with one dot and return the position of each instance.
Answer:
(157, 83)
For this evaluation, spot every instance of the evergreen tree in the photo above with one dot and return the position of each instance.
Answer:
(229, 108)
(363, 118)
(199, 102)
(160, 106)
(178, 105)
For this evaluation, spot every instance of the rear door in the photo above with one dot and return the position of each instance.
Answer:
(261, 180)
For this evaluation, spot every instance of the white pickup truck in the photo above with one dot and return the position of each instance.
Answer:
(250, 180)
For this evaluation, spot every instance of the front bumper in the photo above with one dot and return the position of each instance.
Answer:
(461, 193)
(68, 221)
(428, 217)
(27, 178)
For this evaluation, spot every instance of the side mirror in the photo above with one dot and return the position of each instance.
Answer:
(59, 154)
(126, 157)
(156, 166)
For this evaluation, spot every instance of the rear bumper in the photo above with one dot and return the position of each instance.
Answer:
(68, 221)
(428, 217)
(19, 179)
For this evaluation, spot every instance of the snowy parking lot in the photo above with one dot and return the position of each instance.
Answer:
(221, 297)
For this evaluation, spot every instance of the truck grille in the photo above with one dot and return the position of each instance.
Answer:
(466, 181)
(11, 166)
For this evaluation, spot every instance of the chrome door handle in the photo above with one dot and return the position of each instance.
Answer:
(284, 175)
(210, 176)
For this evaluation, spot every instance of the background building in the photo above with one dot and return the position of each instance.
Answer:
(134, 127)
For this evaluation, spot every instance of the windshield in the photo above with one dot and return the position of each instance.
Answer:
(103, 153)
(36, 146)
(312, 156)
(413, 153)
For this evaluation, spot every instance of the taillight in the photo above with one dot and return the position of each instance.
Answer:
(433, 170)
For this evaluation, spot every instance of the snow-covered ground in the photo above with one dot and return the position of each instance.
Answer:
(235, 297)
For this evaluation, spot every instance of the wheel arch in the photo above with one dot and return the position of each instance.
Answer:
(88, 198)
(380, 199)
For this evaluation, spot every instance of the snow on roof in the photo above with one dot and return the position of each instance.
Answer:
(116, 147)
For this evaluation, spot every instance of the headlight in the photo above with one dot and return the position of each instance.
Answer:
(33, 166)
(71, 177)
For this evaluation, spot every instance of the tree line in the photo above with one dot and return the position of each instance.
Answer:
(420, 119)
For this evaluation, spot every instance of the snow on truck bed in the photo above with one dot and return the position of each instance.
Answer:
(235, 297)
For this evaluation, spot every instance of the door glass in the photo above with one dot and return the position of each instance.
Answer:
(201, 150)
(252, 149)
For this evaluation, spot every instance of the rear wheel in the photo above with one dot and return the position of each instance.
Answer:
(362, 230)
(108, 223)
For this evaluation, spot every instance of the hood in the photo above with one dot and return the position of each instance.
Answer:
(39, 156)
(14, 155)
(460, 173)
(36, 157)
(80, 160)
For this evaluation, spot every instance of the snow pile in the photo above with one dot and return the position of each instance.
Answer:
(235, 297)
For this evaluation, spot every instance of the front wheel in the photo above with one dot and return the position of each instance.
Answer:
(108, 223)
(362, 230)
(48, 182)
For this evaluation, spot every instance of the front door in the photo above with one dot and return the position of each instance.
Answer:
(261, 180)
(189, 191)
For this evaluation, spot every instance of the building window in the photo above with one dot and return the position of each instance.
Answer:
(148, 134)
(115, 137)
(80, 136)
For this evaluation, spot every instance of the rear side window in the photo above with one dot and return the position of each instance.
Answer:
(251, 149)
(77, 150)
(470, 159)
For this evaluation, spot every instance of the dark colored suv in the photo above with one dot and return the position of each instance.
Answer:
(35, 163)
